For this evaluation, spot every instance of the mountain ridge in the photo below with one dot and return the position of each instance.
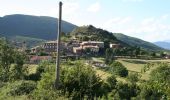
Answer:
(42, 27)
(137, 42)
(45, 28)
(163, 44)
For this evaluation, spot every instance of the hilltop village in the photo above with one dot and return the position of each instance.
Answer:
(69, 50)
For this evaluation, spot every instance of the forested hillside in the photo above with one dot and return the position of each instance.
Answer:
(40, 27)
(92, 33)
(137, 42)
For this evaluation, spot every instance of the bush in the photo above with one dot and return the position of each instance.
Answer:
(133, 77)
(80, 81)
(76, 82)
(21, 87)
(126, 91)
(150, 92)
(118, 69)
(39, 70)
(45, 88)
(112, 81)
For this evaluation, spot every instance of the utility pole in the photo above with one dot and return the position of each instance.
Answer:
(57, 81)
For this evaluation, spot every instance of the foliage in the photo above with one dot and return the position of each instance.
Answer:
(77, 82)
(137, 42)
(39, 70)
(109, 56)
(21, 87)
(45, 88)
(137, 51)
(118, 69)
(160, 77)
(112, 81)
(147, 67)
(9, 56)
(30, 42)
(82, 81)
(158, 87)
(32, 27)
(126, 91)
(6, 56)
(133, 77)
(150, 92)
(153, 54)
(91, 33)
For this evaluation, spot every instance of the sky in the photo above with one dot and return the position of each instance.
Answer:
(144, 19)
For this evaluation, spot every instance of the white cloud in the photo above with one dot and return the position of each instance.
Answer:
(118, 21)
(164, 17)
(147, 21)
(149, 29)
(70, 8)
(94, 7)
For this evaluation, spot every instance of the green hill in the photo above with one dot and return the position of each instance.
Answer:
(30, 42)
(95, 34)
(137, 42)
(34, 29)
(40, 27)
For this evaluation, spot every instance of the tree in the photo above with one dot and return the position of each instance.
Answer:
(16, 71)
(117, 52)
(6, 59)
(118, 69)
(126, 91)
(150, 92)
(162, 54)
(77, 82)
(85, 38)
(9, 56)
(81, 81)
(21, 87)
(153, 54)
(158, 86)
(137, 51)
(109, 56)
(133, 77)
(160, 77)
(6, 56)
(112, 81)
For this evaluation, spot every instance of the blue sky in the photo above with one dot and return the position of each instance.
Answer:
(145, 19)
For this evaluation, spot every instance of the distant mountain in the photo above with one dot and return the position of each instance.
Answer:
(40, 27)
(137, 42)
(163, 44)
(37, 29)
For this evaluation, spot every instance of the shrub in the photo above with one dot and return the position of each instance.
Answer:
(118, 69)
(39, 70)
(112, 81)
(126, 91)
(81, 81)
(150, 92)
(45, 88)
(21, 87)
(133, 77)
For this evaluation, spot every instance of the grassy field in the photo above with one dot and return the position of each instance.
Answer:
(102, 74)
(31, 68)
(136, 65)
(133, 65)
